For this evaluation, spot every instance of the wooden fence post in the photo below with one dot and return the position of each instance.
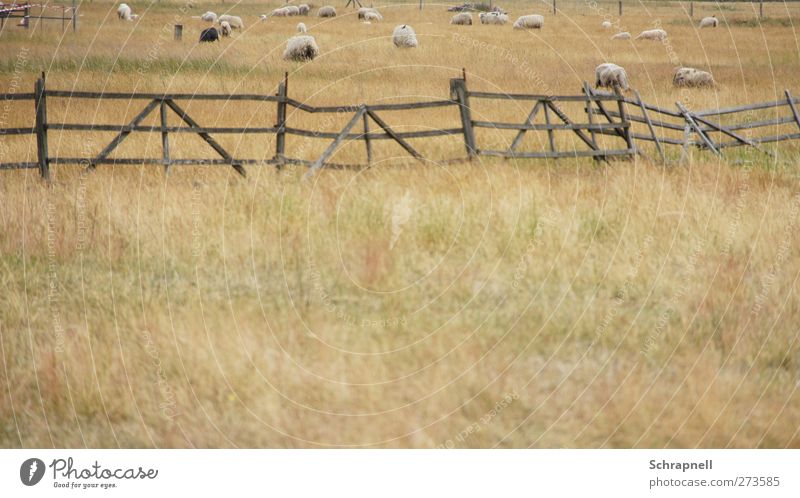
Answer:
(691, 9)
(458, 92)
(40, 101)
(620, 8)
(367, 141)
(164, 137)
(74, 17)
(280, 136)
(761, 9)
(554, 7)
(623, 117)
(178, 32)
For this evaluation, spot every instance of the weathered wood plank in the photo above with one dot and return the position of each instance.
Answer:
(650, 127)
(397, 138)
(319, 163)
(528, 121)
(108, 149)
(550, 127)
(693, 124)
(205, 136)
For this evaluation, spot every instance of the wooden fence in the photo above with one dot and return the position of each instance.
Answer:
(627, 121)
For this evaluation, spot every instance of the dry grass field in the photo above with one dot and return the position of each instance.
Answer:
(485, 304)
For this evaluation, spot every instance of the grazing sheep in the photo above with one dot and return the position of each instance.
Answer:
(363, 11)
(373, 16)
(234, 21)
(493, 18)
(225, 29)
(606, 25)
(209, 35)
(303, 9)
(301, 27)
(691, 77)
(125, 13)
(652, 34)
(326, 11)
(610, 75)
(709, 22)
(263, 17)
(209, 17)
(280, 12)
(404, 37)
(533, 21)
(624, 35)
(301, 48)
(462, 19)
(293, 10)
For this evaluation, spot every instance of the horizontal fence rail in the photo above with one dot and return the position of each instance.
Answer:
(625, 120)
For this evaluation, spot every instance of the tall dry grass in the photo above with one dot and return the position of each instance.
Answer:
(512, 304)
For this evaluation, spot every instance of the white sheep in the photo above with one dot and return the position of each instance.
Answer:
(234, 21)
(301, 27)
(709, 22)
(263, 17)
(533, 21)
(280, 12)
(624, 35)
(363, 11)
(493, 17)
(404, 37)
(609, 75)
(225, 28)
(293, 10)
(209, 16)
(303, 9)
(691, 77)
(373, 16)
(606, 25)
(124, 12)
(652, 34)
(326, 11)
(462, 19)
(301, 48)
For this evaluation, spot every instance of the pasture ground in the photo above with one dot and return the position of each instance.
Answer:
(497, 303)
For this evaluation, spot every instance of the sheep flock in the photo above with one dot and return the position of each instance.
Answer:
(302, 47)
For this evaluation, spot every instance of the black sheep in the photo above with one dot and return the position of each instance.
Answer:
(209, 35)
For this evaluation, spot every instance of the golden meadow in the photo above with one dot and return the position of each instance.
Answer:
(492, 303)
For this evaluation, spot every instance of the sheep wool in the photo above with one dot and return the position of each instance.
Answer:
(652, 34)
(225, 28)
(209, 17)
(301, 27)
(624, 35)
(373, 16)
(691, 77)
(280, 12)
(234, 21)
(709, 22)
(462, 19)
(493, 17)
(609, 75)
(533, 21)
(363, 11)
(301, 48)
(209, 35)
(326, 11)
(404, 37)
(124, 12)
(606, 24)
(303, 9)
